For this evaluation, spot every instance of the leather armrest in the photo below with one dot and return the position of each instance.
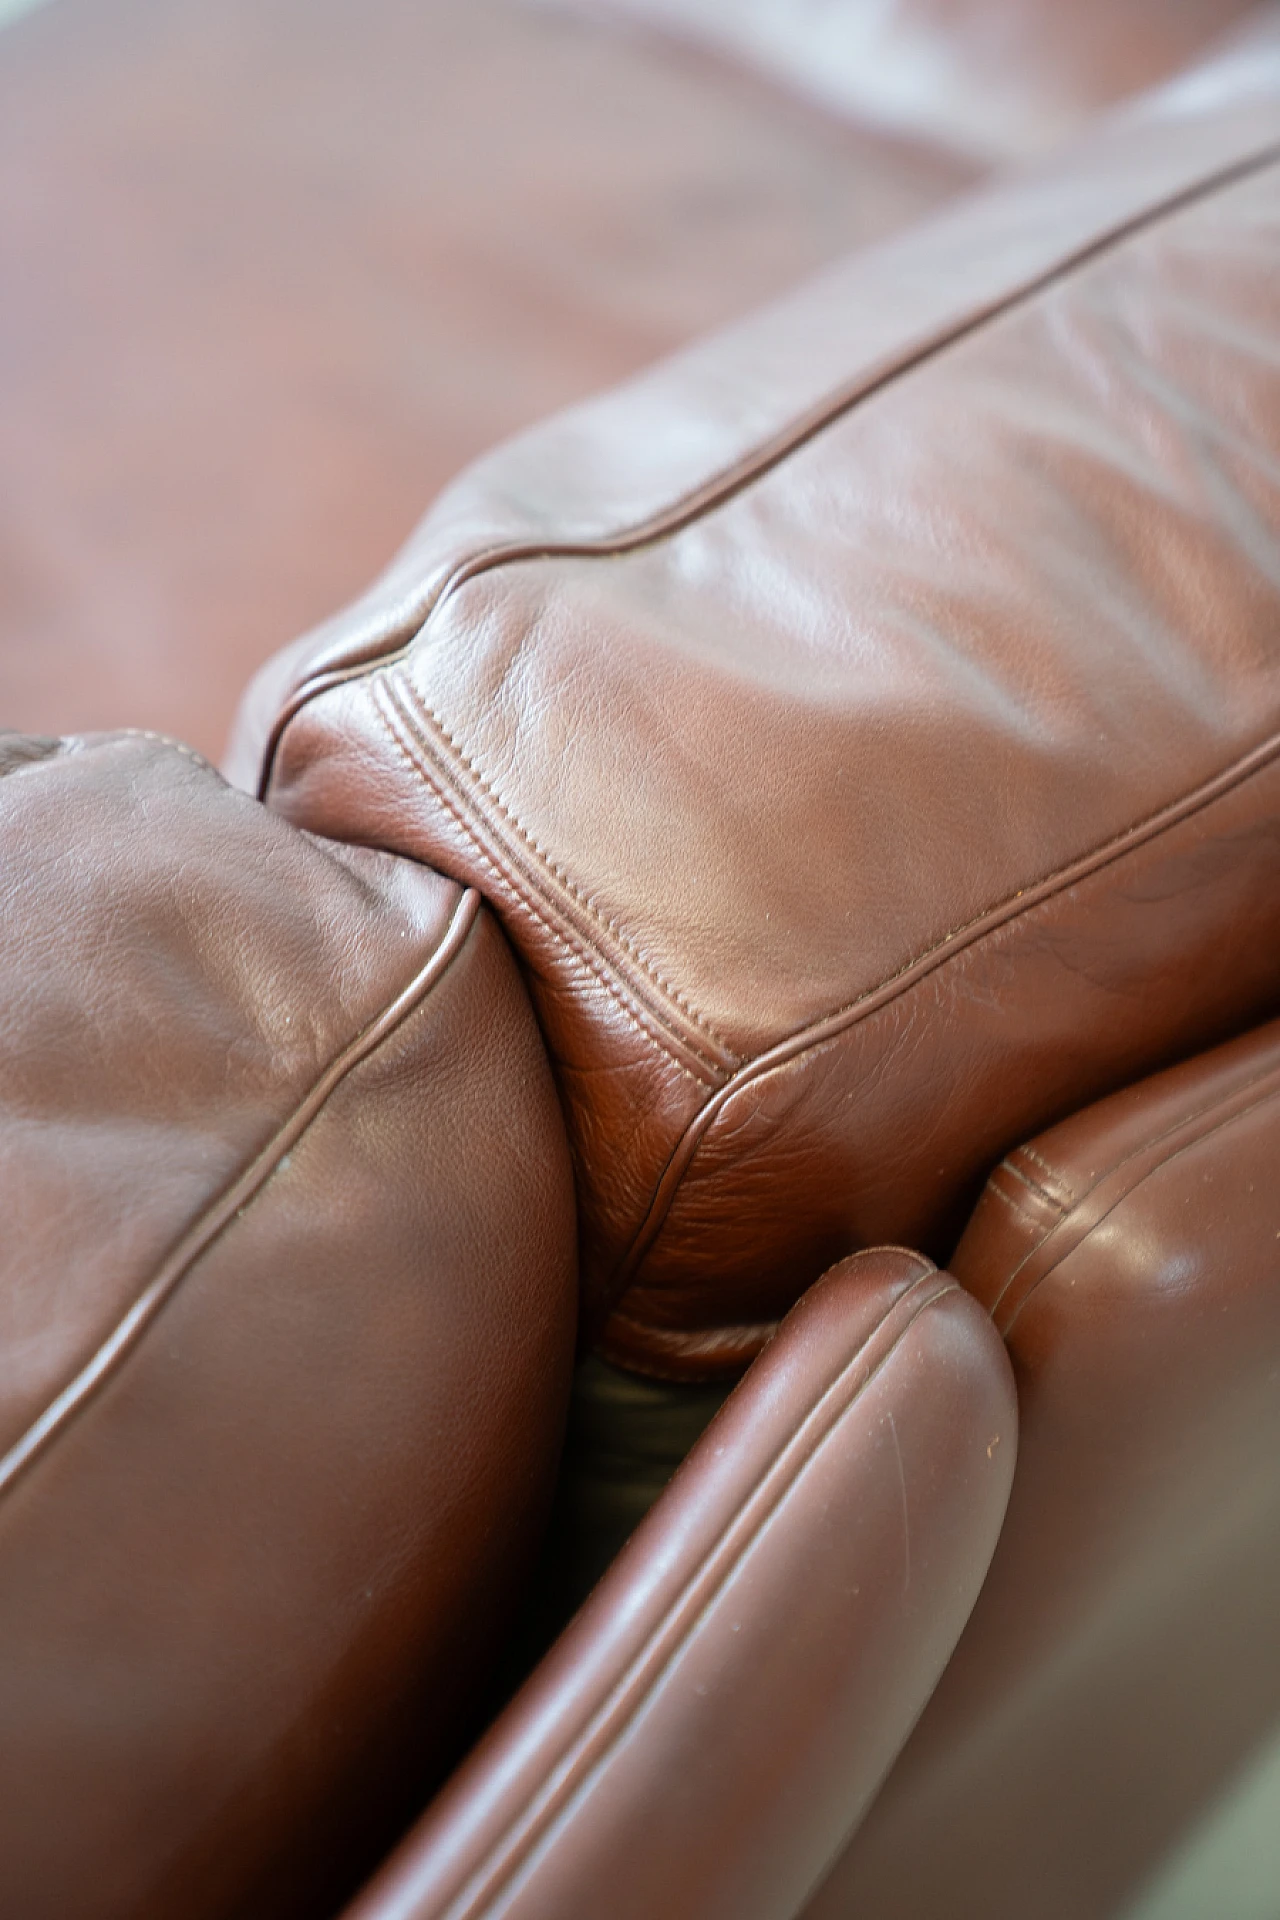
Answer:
(712, 1724)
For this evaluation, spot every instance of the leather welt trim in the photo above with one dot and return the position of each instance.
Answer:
(1117, 1183)
(722, 485)
(834, 1025)
(128, 1331)
(569, 1776)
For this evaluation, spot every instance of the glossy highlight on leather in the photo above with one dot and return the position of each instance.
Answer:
(893, 766)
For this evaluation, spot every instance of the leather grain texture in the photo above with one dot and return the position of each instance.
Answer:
(868, 726)
(720, 1712)
(287, 1305)
(1122, 1662)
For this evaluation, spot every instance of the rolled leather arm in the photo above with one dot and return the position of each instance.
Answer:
(713, 1723)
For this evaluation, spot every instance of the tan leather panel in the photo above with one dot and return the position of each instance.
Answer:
(286, 1316)
(895, 781)
(1122, 1660)
(720, 1712)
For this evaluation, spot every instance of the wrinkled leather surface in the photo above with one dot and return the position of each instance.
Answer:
(274, 270)
(867, 726)
(286, 1320)
(719, 1714)
(1122, 1661)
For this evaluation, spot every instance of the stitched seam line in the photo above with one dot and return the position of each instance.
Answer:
(1129, 839)
(812, 1038)
(164, 740)
(111, 1354)
(1048, 1186)
(994, 1192)
(596, 963)
(1038, 1160)
(1033, 1187)
(409, 695)
(554, 1804)
(743, 472)
(713, 494)
(1025, 900)
(1227, 1120)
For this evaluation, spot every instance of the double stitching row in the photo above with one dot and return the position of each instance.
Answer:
(411, 697)
(595, 962)
(1037, 1187)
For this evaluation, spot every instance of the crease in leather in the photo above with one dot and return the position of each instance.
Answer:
(195, 1241)
(736, 1343)
(620, 989)
(1219, 1113)
(740, 1340)
(832, 1027)
(748, 468)
(409, 698)
(569, 1778)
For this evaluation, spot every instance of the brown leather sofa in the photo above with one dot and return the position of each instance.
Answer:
(777, 888)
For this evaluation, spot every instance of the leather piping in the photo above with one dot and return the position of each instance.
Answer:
(567, 1779)
(748, 468)
(197, 1239)
(1079, 1221)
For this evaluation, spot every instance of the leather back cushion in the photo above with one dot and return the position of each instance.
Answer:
(868, 726)
(286, 1316)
